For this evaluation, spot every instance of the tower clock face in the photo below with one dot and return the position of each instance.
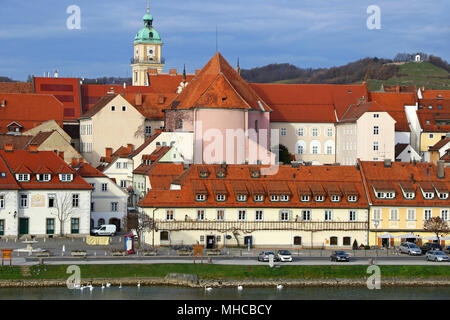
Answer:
(151, 51)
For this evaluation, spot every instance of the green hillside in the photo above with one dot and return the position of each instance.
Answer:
(419, 74)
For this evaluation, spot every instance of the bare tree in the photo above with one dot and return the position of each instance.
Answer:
(64, 209)
(140, 222)
(437, 226)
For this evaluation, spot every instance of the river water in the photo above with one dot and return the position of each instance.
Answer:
(180, 293)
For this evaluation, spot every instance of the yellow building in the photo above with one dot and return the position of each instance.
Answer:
(402, 196)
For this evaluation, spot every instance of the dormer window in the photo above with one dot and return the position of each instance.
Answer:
(409, 195)
(220, 197)
(443, 196)
(242, 197)
(200, 197)
(352, 198)
(284, 197)
(274, 198)
(319, 198)
(428, 195)
(23, 177)
(304, 198)
(390, 195)
(335, 198)
(204, 174)
(255, 174)
(65, 177)
(259, 198)
(45, 177)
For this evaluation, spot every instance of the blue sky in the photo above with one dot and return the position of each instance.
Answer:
(307, 33)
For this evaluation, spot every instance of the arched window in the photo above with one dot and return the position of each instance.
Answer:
(333, 241)
(101, 222)
(314, 147)
(300, 147)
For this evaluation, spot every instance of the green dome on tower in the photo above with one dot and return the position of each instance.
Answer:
(148, 34)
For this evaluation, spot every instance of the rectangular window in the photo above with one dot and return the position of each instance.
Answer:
(329, 150)
(409, 195)
(443, 196)
(169, 215)
(352, 215)
(259, 198)
(220, 197)
(200, 215)
(65, 177)
(241, 215)
(123, 183)
(92, 206)
(51, 201)
(315, 150)
(118, 165)
(411, 215)
(330, 132)
(306, 215)
(274, 198)
(200, 197)
(75, 200)
(352, 198)
(429, 195)
(328, 215)
(148, 130)
(242, 197)
(376, 130)
(335, 198)
(23, 201)
(284, 215)
(300, 132)
(259, 215)
(2, 227)
(319, 198)
(377, 214)
(93, 186)
(2, 201)
(50, 226)
(393, 215)
(283, 131)
(305, 198)
(104, 187)
(284, 197)
(444, 214)
(220, 214)
(427, 214)
(114, 206)
(375, 146)
(376, 115)
(315, 132)
(75, 225)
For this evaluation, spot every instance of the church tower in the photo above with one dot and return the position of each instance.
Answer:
(147, 52)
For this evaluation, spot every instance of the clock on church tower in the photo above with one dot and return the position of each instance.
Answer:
(147, 52)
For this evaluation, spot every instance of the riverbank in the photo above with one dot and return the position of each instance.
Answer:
(223, 275)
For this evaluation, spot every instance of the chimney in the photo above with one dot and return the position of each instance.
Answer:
(3, 103)
(33, 147)
(152, 71)
(138, 99)
(61, 154)
(111, 90)
(173, 72)
(108, 152)
(55, 74)
(440, 169)
(124, 85)
(129, 148)
(74, 162)
(9, 147)
(387, 163)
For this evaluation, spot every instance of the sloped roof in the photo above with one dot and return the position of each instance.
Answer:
(152, 104)
(16, 87)
(355, 111)
(218, 85)
(18, 142)
(435, 94)
(431, 111)
(85, 170)
(399, 147)
(441, 143)
(7, 180)
(99, 106)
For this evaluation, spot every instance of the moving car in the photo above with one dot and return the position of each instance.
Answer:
(410, 248)
(436, 255)
(430, 246)
(284, 256)
(105, 230)
(264, 256)
(339, 256)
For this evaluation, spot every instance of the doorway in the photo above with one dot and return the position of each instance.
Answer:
(23, 226)
(115, 222)
(210, 242)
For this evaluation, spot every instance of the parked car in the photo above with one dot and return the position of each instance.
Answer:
(105, 230)
(339, 256)
(264, 256)
(284, 256)
(436, 255)
(410, 248)
(430, 246)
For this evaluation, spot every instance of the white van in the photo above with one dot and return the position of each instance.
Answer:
(105, 230)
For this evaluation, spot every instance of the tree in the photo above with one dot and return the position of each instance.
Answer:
(437, 226)
(64, 209)
(141, 222)
(284, 155)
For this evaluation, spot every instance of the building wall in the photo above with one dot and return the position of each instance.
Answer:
(409, 154)
(113, 129)
(402, 137)
(385, 137)
(102, 201)
(292, 139)
(57, 142)
(7, 213)
(122, 173)
(346, 143)
(414, 126)
(429, 139)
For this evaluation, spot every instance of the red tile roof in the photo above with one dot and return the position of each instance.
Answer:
(434, 115)
(413, 175)
(167, 83)
(355, 111)
(151, 105)
(218, 85)
(21, 161)
(16, 87)
(29, 110)
(85, 170)
(435, 94)
(441, 143)
(7, 180)
(238, 179)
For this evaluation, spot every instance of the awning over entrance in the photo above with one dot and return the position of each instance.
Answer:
(408, 236)
(386, 236)
(434, 238)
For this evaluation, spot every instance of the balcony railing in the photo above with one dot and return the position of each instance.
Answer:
(133, 61)
(249, 226)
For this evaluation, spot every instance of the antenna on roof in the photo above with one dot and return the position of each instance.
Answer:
(217, 38)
